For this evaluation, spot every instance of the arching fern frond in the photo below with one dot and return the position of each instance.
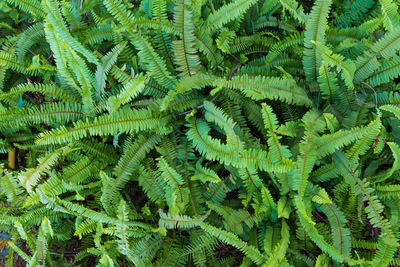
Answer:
(315, 31)
(123, 121)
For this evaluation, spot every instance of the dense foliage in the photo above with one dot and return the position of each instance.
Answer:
(200, 133)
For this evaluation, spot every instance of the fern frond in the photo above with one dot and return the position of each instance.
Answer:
(154, 63)
(121, 12)
(315, 31)
(390, 15)
(327, 81)
(386, 47)
(231, 239)
(388, 71)
(29, 6)
(279, 251)
(227, 13)
(185, 53)
(174, 221)
(122, 121)
(388, 191)
(52, 114)
(55, 19)
(374, 208)
(106, 63)
(328, 143)
(346, 68)
(351, 15)
(382, 176)
(129, 92)
(260, 88)
(29, 37)
(340, 233)
(10, 61)
(134, 153)
(9, 185)
(213, 149)
(31, 176)
(271, 124)
(295, 10)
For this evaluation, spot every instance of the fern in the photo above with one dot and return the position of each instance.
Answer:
(184, 49)
(315, 31)
(102, 70)
(123, 121)
(227, 13)
(31, 176)
(386, 47)
(200, 133)
(259, 88)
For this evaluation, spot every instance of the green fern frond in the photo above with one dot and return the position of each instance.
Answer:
(31, 176)
(173, 221)
(184, 50)
(122, 121)
(229, 238)
(46, 89)
(260, 88)
(227, 13)
(52, 114)
(134, 153)
(390, 14)
(279, 250)
(385, 47)
(106, 63)
(350, 16)
(315, 31)
(30, 6)
(129, 92)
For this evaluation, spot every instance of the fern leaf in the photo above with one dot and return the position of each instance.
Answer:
(271, 123)
(134, 153)
(185, 53)
(279, 251)
(315, 31)
(121, 13)
(46, 89)
(155, 64)
(259, 88)
(205, 174)
(340, 234)
(228, 13)
(9, 186)
(386, 47)
(125, 120)
(129, 92)
(106, 63)
(388, 71)
(231, 239)
(30, 177)
(382, 176)
(390, 14)
(173, 221)
(345, 67)
(30, 6)
(55, 19)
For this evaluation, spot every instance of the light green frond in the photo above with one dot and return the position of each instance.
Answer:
(231, 239)
(228, 13)
(31, 176)
(122, 121)
(260, 88)
(315, 31)
(185, 53)
(385, 47)
(129, 92)
(102, 70)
